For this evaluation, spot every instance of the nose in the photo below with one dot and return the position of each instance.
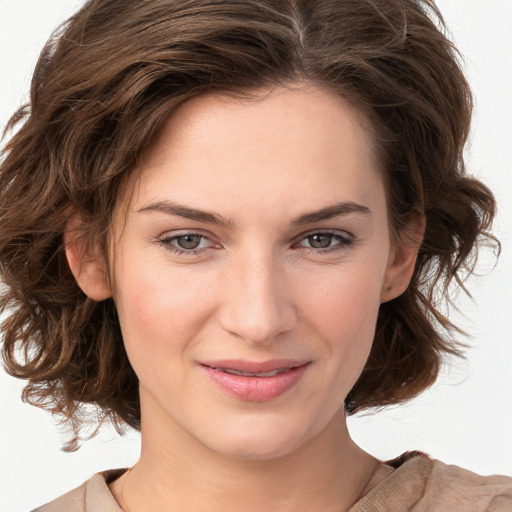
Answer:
(257, 300)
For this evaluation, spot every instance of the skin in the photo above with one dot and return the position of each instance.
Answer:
(256, 290)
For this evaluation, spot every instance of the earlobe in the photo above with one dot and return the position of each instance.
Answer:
(402, 259)
(86, 264)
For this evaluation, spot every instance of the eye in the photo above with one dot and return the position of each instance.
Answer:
(325, 241)
(186, 243)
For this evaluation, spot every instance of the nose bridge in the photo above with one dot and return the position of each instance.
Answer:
(257, 305)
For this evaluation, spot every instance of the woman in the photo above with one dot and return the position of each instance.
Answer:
(240, 215)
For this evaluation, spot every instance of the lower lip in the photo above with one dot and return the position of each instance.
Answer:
(256, 389)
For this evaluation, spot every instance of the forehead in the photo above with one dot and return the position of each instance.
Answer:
(281, 113)
(299, 141)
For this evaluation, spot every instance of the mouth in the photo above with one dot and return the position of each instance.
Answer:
(272, 373)
(254, 381)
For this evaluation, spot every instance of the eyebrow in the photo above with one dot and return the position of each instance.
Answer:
(336, 210)
(186, 212)
(178, 210)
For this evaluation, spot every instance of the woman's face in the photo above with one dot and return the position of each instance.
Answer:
(250, 268)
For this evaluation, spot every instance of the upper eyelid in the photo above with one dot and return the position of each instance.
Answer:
(340, 232)
(184, 232)
(305, 234)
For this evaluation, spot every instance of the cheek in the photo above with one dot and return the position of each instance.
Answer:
(343, 302)
(161, 310)
(342, 311)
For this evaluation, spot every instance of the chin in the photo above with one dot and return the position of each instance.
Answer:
(259, 440)
(256, 450)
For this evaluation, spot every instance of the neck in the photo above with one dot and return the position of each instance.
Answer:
(176, 473)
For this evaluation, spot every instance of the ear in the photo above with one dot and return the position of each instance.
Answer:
(85, 263)
(402, 258)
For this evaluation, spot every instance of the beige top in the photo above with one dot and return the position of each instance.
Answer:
(419, 484)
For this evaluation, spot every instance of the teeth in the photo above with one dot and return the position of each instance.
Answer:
(253, 374)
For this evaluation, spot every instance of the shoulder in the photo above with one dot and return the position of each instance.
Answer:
(454, 486)
(92, 496)
(421, 484)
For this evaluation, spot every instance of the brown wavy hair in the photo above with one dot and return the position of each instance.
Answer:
(107, 80)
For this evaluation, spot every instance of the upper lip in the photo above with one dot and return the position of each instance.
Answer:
(255, 366)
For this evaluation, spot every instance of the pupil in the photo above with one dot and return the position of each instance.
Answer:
(320, 241)
(189, 241)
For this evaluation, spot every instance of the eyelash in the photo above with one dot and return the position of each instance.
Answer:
(345, 240)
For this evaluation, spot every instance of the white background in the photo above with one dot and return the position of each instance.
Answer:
(465, 419)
